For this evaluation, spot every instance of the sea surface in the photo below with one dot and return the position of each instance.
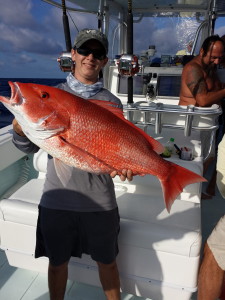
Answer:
(5, 116)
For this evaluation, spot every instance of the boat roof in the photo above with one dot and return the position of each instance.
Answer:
(147, 7)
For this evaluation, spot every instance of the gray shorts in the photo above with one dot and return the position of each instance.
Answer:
(216, 242)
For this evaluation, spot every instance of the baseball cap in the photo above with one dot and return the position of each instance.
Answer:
(88, 34)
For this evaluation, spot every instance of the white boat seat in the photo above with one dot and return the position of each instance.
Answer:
(21, 207)
(143, 221)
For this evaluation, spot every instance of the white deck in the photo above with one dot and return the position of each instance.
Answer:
(20, 284)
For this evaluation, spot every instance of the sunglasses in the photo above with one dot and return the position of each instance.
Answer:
(97, 53)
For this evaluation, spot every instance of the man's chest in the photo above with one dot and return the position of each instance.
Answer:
(212, 83)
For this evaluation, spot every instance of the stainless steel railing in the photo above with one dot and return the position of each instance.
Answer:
(186, 118)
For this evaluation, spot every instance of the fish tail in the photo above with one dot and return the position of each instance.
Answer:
(175, 182)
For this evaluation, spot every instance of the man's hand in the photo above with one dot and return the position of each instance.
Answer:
(126, 174)
(17, 128)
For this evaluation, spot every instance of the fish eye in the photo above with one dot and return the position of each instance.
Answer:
(44, 95)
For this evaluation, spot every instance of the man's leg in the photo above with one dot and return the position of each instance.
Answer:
(222, 296)
(211, 277)
(57, 279)
(109, 277)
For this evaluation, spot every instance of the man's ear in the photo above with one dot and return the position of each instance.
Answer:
(201, 52)
(105, 61)
(73, 52)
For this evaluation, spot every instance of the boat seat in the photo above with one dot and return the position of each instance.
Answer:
(149, 236)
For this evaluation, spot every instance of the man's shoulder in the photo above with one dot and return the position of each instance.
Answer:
(105, 94)
(63, 86)
(194, 63)
(193, 66)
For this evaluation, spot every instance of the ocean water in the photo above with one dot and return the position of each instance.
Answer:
(5, 116)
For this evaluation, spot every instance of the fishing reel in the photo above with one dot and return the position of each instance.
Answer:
(65, 62)
(128, 65)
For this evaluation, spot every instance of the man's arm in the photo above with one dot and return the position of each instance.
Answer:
(198, 86)
(21, 141)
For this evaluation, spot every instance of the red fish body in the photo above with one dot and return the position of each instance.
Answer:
(92, 135)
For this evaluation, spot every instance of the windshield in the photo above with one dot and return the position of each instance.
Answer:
(170, 35)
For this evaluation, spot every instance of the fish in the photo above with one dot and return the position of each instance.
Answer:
(92, 135)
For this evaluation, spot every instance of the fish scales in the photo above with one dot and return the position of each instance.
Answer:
(117, 153)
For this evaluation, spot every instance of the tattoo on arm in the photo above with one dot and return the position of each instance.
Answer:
(196, 82)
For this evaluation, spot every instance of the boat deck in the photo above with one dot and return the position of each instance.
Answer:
(20, 284)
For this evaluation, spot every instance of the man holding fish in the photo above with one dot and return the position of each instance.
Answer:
(81, 216)
(89, 142)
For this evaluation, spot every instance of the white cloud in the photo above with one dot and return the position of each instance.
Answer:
(20, 31)
(24, 58)
(16, 13)
(220, 31)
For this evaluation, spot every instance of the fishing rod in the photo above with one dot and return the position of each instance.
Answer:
(65, 60)
(128, 63)
(130, 50)
(66, 27)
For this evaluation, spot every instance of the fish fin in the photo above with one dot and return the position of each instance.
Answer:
(155, 145)
(63, 171)
(175, 181)
(111, 106)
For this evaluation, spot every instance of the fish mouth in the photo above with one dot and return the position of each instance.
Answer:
(16, 95)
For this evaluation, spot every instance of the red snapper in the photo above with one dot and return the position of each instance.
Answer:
(92, 135)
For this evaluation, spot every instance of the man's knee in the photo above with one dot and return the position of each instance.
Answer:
(58, 269)
(107, 267)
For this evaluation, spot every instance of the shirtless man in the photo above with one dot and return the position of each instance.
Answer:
(200, 85)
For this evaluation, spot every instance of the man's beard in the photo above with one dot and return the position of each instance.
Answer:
(210, 69)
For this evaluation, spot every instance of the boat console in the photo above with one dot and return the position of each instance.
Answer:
(153, 84)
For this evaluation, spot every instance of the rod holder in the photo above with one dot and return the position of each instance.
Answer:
(188, 121)
(146, 117)
(158, 119)
(130, 115)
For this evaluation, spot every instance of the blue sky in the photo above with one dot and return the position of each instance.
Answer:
(31, 38)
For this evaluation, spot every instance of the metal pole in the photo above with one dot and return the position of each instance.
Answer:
(66, 28)
(130, 50)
